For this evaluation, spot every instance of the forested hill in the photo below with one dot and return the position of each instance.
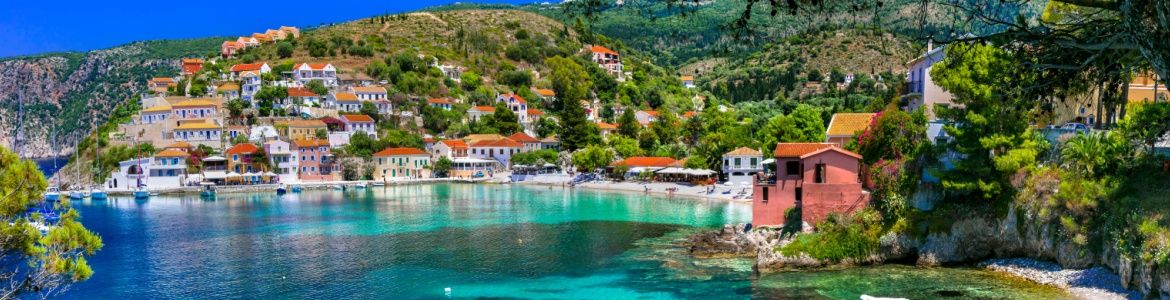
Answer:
(76, 91)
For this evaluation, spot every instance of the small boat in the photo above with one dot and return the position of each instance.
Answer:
(141, 193)
(339, 187)
(98, 194)
(360, 185)
(296, 189)
(52, 194)
(379, 183)
(76, 195)
(280, 190)
(208, 190)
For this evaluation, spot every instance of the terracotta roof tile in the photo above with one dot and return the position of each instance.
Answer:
(368, 89)
(846, 124)
(500, 143)
(535, 112)
(310, 143)
(644, 161)
(546, 92)
(243, 148)
(171, 153)
(744, 151)
(523, 138)
(484, 108)
(342, 96)
(357, 118)
(401, 152)
(602, 49)
(300, 92)
(247, 67)
(439, 101)
(454, 144)
(606, 126)
(795, 150)
(518, 98)
(311, 66)
(179, 144)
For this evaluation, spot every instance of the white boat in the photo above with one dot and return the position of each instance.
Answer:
(296, 189)
(52, 194)
(76, 195)
(360, 185)
(97, 194)
(339, 187)
(141, 193)
(208, 190)
(379, 183)
(280, 189)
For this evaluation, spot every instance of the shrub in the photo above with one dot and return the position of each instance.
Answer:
(840, 238)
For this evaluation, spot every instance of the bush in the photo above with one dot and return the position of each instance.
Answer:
(840, 238)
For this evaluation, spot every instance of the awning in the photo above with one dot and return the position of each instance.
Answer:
(214, 158)
(769, 161)
(685, 171)
(214, 175)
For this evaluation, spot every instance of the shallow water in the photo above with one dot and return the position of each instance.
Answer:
(412, 242)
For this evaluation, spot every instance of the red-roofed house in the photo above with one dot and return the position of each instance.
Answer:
(517, 104)
(606, 129)
(500, 150)
(248, 41)
(301, 96)
(645, 117)
(476, 112)
(530, 143)
(404, 163)
(443, 103)
(240, 157)
(259, 68)
(451, 149)
(343, 101)
(191, 65)
(608, 60)
(305, 72)
(229, 48)
(817, 178)
(359, 123)
(316, 161)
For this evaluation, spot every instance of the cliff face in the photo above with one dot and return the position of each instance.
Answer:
(74, 92)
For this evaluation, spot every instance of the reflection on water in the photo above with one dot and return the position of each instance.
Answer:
(478, 240)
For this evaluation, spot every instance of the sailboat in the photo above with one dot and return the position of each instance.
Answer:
(97, 193)
(53, 193)
(140, 192)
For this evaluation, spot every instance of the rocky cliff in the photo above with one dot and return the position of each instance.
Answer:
(75, 92)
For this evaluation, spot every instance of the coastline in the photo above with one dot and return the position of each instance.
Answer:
(195, 190)
(1092, 283)
(655, 188)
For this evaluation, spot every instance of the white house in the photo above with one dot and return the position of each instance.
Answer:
(262, 133)
(284, 160)
(305, 72)
(168, 169)
(359, 123)
(401, 163)
(250, 85)
(443, 103)
(258, 68)
(645, 117)
(740, 165)
(343, 101)
(517, 104)
(155, 115)
(450, 149)
(477, 112)
(300, 96)
(608, 60)
(530, 143)
(369, 93)
(131, 174)
(921, 91)
(500, 150)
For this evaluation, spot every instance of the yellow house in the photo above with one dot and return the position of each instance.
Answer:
(300, 129)
(401, 163)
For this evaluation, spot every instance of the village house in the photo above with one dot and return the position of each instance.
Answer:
(240, 158)
(450, 149)
(131, 174)
(645, 117)
(477, 112)
(741, 165)
(179, 146)
(817, 178)
(190, 66)
(305, 72)
(199, 108)
(546, 95)
(155, 115)
(354, 79)
(607, 129)
(344, 102)
(168, 169)
(299, 96)
(258, 68)
(688, 81)
(608, 60)
(550, 143)
(276, 35)
(251, 85)
(530, 143)
(359, 123)
(160, 85)
(291, 31)
(229, 48)
(248, 41)
(283, 160)
(198, 131)
(262, 133)
(443, 103)
(517, 104)
(500, 150)
(401, 163)
(316, 160)
(368, 93)
(232, 131)
(921, 90)
(844, 126)
(228, 90)
(300, 129)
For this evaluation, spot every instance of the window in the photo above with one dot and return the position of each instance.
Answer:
(820, 173)
(753, 161)
(792, 168)
(738, 163)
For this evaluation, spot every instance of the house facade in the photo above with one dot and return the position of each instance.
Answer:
(517, 104)
(443, 103)
(258, 68)
(316, 161)
(817, 178)
(168, 169)
(282, 159)
(305, 72)
(239, 158)
(197, 132)
(477, 112)
(500, 150)
(608, 60)
(359, 123)
(450, 148)
(921, 91)
(369, 93)
(344, 102)
(195, 109)
(402, 163)
(300, 129)
(741, 165)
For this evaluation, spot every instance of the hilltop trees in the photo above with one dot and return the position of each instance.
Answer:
(38, 264)
(571, 84)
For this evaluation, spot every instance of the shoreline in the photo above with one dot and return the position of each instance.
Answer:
(195, 190)
(1092, 283)
(656, 189)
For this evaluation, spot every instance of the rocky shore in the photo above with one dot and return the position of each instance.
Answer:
(1092, 283)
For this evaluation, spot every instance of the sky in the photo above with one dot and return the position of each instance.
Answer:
(39, 26)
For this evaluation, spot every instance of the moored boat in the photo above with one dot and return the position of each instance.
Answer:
(52, 194)
(208, 190)
(97, 194)
(280, 190)
(296, 189)
(141, 193)
(76, 195)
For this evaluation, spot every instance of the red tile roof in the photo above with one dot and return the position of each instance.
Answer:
(455, 144)
(485, 108)
(796, 150)
(311, 143)
(439, 101)
(535, 112)
(645, 161)
(743, 151)
(835, 149)
(523, 138)
(300, 92)
(518, 98)
(311, 66)
(653, 113)
(358, 118)
(500, 143)
(602, 49)
(247, 67)
(245, 148)
(400, 152)
(171, 153)
(546, 92)
(345, 97)
(606, 126)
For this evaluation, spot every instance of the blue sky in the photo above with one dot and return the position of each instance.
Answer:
(38, 26)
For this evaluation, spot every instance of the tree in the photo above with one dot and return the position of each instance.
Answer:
(1094, 154)
(893, 134)
(370, 109)
(628, 124)
(569, 81)
(576, 131)
(284, 49)
(470, 80)
(317, 86)
(321, 133)
(624, 146)
(236, 108)
(1147, 124)
(778, 129)
(546, 127)
(592, 158)
(504, 120)
(809, 122)
(38, 265)
(667, 127)
(535, 158)
(442, 166)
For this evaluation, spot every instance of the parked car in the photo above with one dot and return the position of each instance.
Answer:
(1076, 127)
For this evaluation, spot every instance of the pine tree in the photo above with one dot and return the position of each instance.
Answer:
(628, 124)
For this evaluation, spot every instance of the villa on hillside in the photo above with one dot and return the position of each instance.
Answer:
(401, 163)
(300, 96)
(300, 129)
(359, 123)
(645, 117)
(343, 102)
(921, 91)
(240, 158)
(844, 126)
(500, 150)
(228, 90)
(258, 68)
(160, 85)
(517, 104)
(608, 60)
(305, 72)
(476, 112)
(443, 103)
(817, 178)
(190, 66)
(688, 81)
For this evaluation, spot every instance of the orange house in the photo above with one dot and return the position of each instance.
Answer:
(816, 178)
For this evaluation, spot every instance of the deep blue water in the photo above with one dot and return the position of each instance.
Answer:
(412, 242)
(47, 165)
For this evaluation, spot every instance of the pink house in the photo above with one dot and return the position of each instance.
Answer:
(817, 178)
(316, 161)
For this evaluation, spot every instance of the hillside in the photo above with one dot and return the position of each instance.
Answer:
(75, 92)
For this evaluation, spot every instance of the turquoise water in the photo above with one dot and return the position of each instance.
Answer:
(481, 241)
